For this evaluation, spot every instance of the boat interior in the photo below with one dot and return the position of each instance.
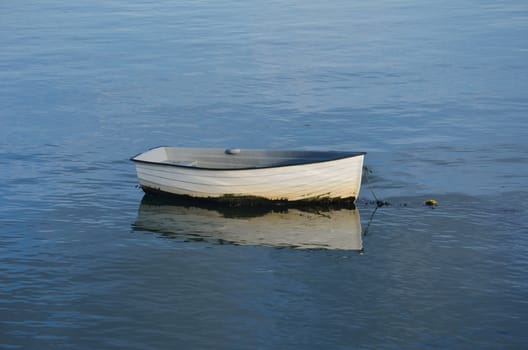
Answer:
(234, 158)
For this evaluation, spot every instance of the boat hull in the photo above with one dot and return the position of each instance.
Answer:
(333, 179)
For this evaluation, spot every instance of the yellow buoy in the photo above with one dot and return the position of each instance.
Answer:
(431, 202)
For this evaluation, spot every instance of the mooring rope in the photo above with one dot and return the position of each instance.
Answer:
(366, 172)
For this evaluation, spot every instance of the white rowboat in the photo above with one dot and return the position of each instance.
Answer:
(267, 174)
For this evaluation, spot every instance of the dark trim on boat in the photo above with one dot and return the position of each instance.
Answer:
(229, 201)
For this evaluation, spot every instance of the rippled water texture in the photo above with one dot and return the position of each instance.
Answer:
(435, 92)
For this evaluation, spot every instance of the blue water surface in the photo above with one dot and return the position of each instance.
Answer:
(435, 92)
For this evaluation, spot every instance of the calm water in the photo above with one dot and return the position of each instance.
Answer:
(435, 92)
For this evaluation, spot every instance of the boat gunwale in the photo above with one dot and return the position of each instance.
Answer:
(344, 155)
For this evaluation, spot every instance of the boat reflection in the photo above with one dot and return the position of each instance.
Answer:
(303, 228)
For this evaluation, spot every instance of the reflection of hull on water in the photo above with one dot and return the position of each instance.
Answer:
(287, 227)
